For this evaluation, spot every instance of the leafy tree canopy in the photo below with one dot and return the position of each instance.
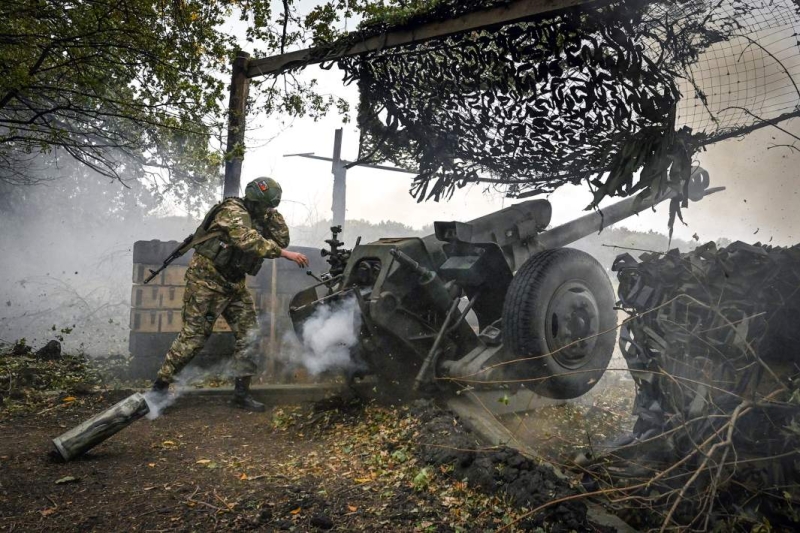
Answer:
(128, 87)
(119, 85)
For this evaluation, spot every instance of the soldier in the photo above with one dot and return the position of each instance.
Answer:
(233, 240)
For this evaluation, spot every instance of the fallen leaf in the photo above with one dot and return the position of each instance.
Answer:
(67, 479)
(151, 465)
(243, 476)
(203, 461)
(352, 508)
(69, 399)
(168, 443)
(363, 480)
(296, 511)
(48, 511)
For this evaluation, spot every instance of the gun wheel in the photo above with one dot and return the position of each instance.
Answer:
(559, 318)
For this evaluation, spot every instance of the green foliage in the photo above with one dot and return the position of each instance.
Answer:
(422, 480)
(24, 378)
(116, 85)
(131, 87)
(137, 88)
(323, 19)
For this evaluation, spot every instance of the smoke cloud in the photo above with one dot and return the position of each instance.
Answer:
(158, 402)
(329, 336)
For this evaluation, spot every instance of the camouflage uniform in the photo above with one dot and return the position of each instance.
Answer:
(211, 293)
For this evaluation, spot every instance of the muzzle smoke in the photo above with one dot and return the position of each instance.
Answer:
(329, 336)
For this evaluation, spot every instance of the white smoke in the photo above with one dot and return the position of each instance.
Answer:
(158, 402)
(329, 336)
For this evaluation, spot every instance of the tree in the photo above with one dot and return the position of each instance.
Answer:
(131, 87)
(116, 85)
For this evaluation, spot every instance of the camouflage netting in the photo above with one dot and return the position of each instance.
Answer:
(594, 95)
(708, 315)
(712, 347)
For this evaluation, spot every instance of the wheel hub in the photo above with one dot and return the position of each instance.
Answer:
(572, 324)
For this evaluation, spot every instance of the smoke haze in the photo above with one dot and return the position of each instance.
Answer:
(328, 337)
(158, 402)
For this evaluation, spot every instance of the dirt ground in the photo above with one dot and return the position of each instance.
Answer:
(203, 466)
(559, 433)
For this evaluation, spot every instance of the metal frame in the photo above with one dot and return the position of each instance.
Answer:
(245, 68)
(487, 18)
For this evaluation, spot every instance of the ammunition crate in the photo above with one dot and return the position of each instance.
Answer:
(156, 297)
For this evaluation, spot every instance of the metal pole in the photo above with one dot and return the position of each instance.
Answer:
(234, 152)
(273, 310)
(339, 181)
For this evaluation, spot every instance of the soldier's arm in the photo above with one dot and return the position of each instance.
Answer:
(275, 228)
(236, 222)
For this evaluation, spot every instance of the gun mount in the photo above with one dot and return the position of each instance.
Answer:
(337, 256)
(545, 313)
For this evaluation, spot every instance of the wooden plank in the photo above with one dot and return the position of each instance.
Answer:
(234, 152)
(513, 12)
(339, 204)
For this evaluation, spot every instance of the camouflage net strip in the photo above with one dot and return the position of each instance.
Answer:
(711, 346)
(620, 96)
(715, 311)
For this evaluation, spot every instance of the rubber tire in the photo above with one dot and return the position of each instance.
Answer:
(524, 321)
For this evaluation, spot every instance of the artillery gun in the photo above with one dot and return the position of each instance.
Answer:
(545, 313)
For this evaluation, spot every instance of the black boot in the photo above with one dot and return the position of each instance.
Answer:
(160, 386)
(242, 398)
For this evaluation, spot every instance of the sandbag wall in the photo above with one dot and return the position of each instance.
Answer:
(156, 307)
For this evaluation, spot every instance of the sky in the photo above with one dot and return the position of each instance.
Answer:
(760, 202)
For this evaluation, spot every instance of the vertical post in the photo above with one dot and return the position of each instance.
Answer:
(339, 181)
(273, 310)
(234, 152)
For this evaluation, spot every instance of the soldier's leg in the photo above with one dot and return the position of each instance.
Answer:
(241, 317)
(201, 307)
(240, 314)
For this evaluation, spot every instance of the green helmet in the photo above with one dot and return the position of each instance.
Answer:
(264, 191)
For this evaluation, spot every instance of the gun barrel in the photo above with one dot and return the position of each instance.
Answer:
(517, 229)
(596, 221)
(153, 274)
